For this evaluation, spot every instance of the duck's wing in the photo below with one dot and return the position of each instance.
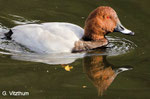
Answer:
(88, 45)
(48, 37)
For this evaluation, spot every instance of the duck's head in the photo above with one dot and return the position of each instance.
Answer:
(101, 21)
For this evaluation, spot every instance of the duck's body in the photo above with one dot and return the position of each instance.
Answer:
(58, 37)
(50, 37)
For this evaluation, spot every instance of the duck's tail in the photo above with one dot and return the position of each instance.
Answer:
(8, 35)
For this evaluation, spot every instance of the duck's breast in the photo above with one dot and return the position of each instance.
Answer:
(48, 37)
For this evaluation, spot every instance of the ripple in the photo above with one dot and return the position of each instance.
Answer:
(21, 20)
(118, 46)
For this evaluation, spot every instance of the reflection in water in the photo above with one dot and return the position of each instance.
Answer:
(100, 72)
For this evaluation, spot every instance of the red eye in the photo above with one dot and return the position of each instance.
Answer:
(108, 17)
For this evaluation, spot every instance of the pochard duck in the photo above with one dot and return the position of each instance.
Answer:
(56, 37)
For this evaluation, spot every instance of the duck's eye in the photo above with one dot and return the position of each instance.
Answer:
(108, 17)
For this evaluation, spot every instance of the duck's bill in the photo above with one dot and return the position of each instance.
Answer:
(122, 29)
(122, 69)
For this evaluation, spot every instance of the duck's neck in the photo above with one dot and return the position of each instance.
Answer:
(93, 37)
(93, 31)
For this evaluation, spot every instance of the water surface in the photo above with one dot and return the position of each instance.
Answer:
(94, 74)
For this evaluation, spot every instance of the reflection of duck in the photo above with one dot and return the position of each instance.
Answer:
(100, 72)
(66, 37)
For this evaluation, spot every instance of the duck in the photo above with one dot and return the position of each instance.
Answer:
(58, 37)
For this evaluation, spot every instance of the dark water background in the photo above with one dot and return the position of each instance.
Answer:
(45, 81)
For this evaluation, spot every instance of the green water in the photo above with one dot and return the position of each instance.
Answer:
(44, 81)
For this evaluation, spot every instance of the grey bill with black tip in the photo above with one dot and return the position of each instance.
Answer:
(122, 29)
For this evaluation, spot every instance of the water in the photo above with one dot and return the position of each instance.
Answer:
(93, 75)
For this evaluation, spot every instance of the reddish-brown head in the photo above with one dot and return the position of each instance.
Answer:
(101, 21)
